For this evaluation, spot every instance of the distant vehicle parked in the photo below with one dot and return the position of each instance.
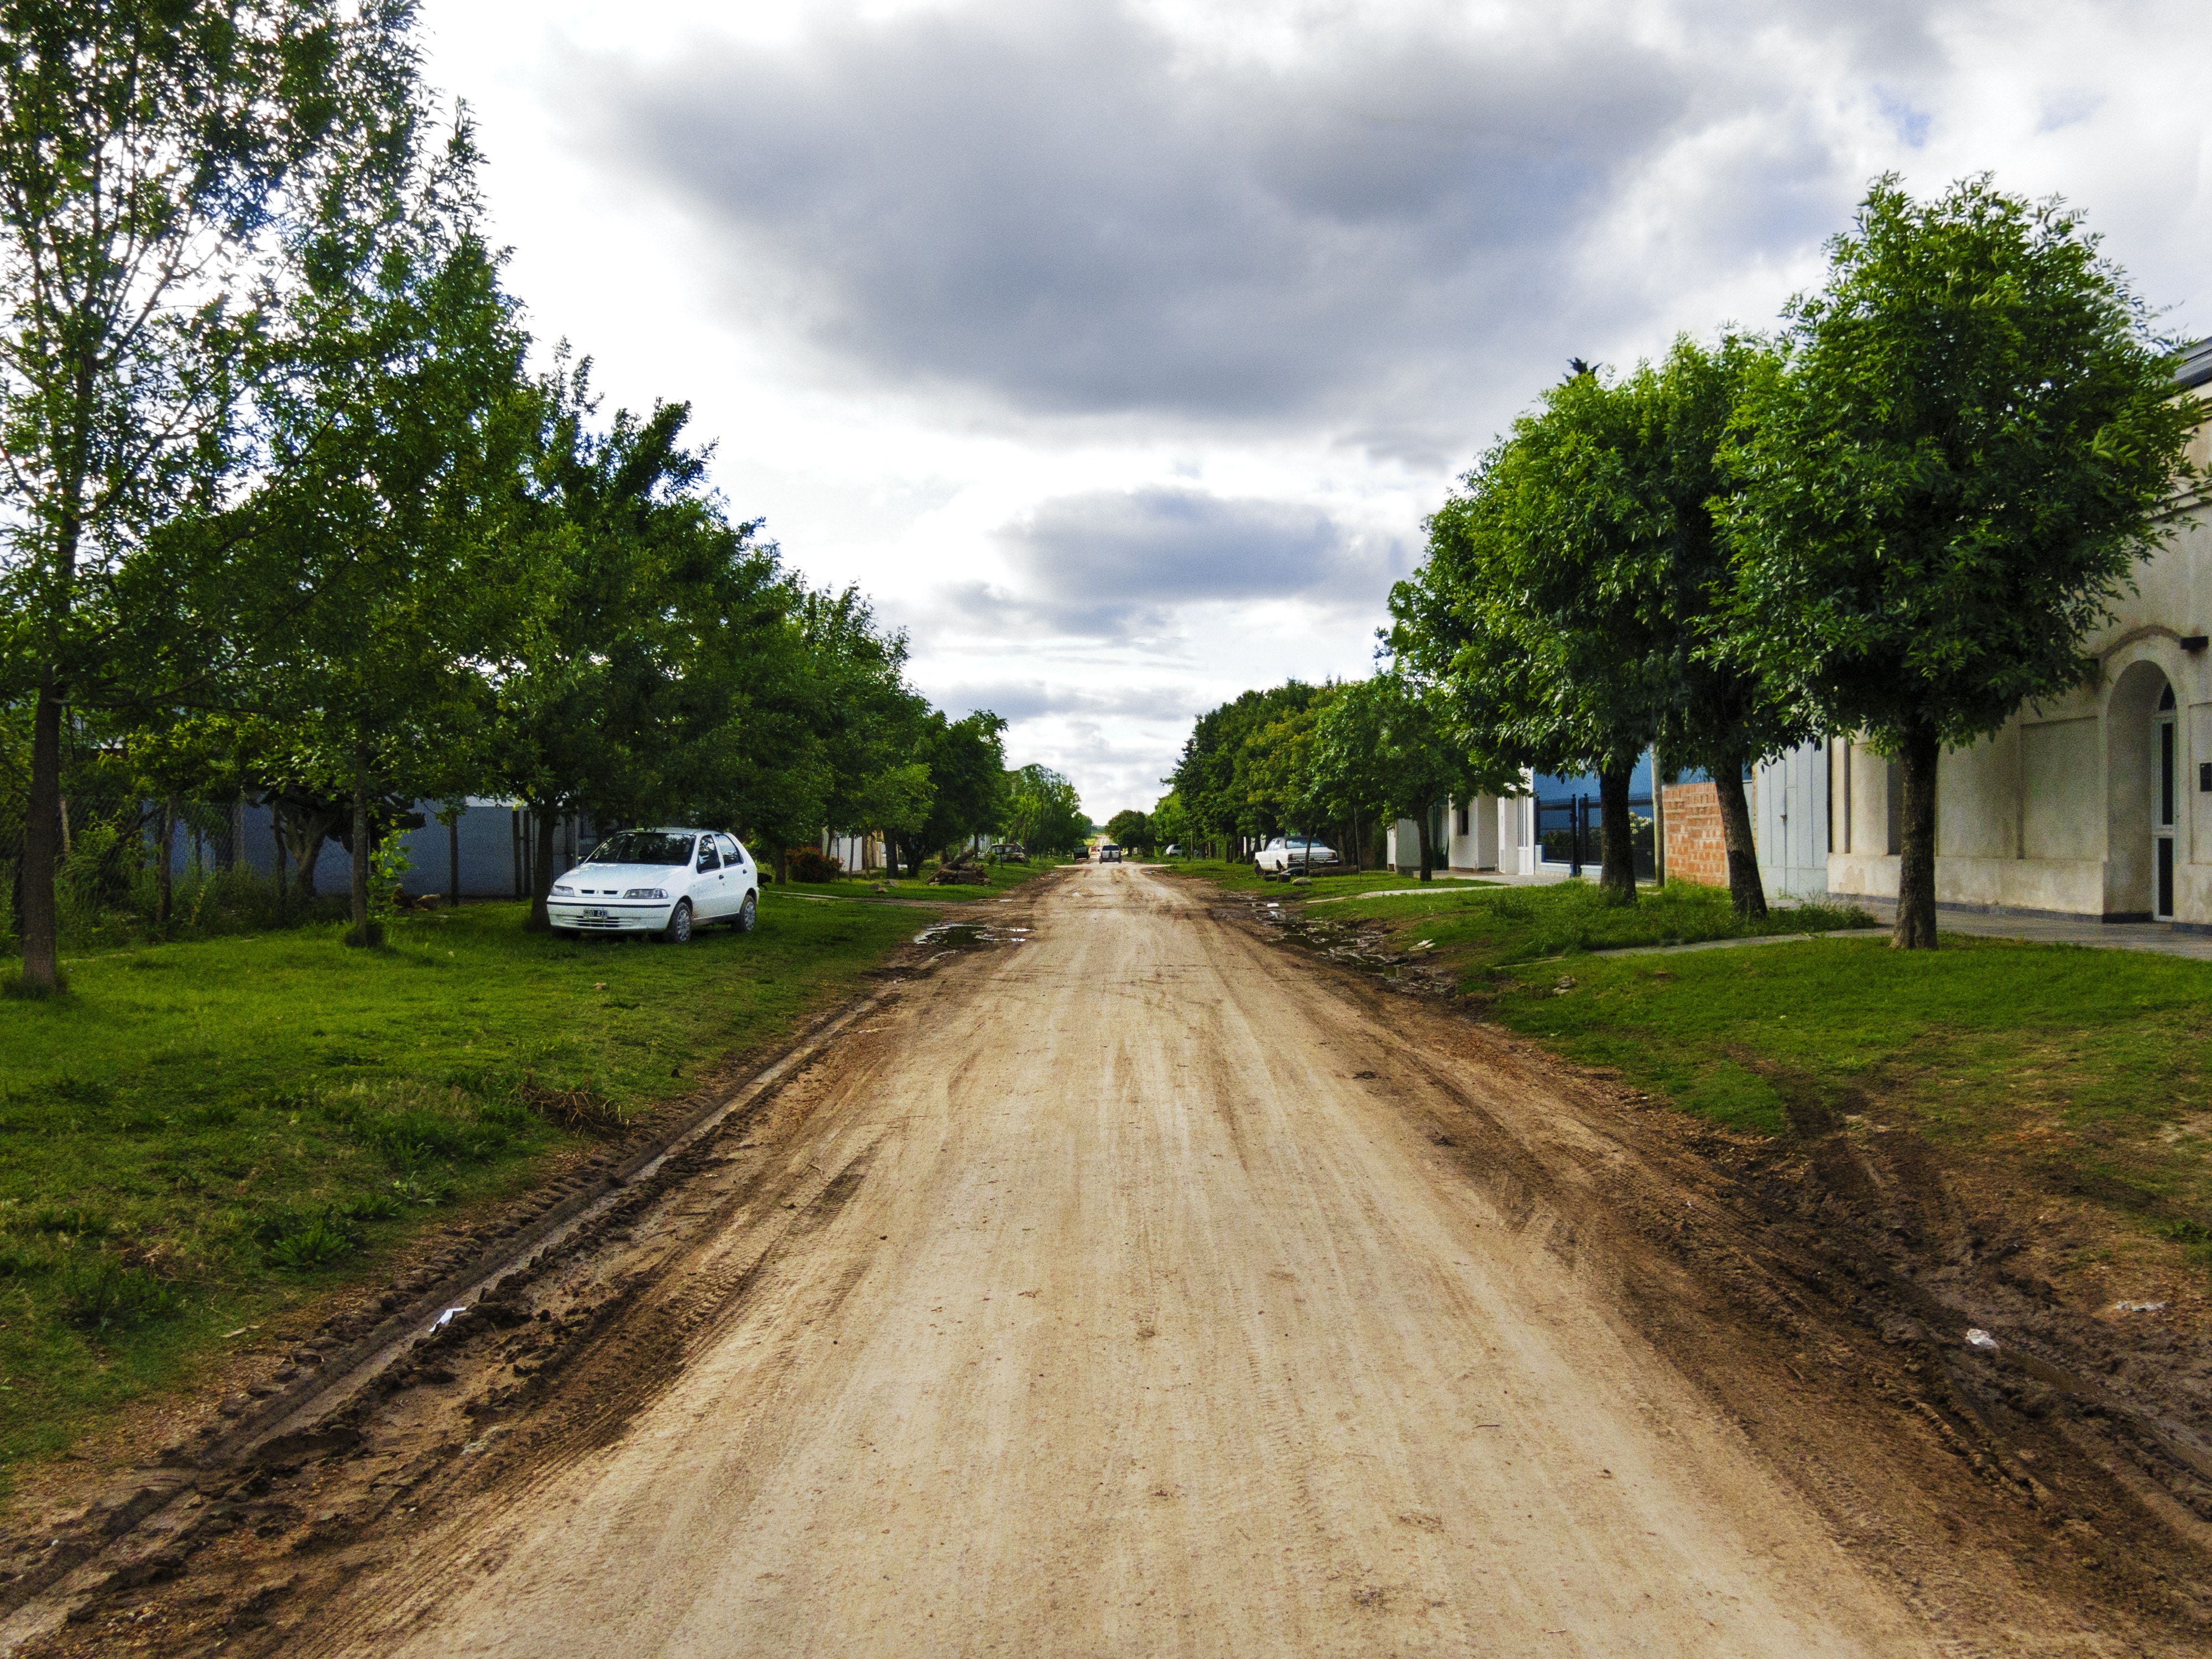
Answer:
(670, 882)
(1011, 852)
(1109, 853)
(1294, 855)
(1171, 851)
(1083, 854)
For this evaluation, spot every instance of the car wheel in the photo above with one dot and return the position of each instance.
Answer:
(748, 917)
(678, 930)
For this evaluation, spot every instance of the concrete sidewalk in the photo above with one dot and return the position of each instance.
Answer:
(2155, 936)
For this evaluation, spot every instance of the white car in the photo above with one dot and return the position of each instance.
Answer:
(1293, 855)
(669, 881)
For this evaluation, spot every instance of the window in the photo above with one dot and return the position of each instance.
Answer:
(652, 846)
(710, 856)
(732, 852)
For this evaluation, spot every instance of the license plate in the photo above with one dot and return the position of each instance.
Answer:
(596, 913)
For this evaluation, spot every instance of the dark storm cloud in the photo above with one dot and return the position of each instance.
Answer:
(1046, 203)
(1126, 564)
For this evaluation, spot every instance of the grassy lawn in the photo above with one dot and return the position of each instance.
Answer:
(1494, 925)
(2086, 1066)
(998, 879)
(1240, 878)
(201, 1134)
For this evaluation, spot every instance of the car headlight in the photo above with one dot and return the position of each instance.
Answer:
(559, 891)
(646, 893)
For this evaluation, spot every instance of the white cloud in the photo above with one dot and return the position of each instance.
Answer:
(1122, 346)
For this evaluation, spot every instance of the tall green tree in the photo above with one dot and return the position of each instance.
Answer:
(646, 626)
(145, 146)
(397, 417)
(1941, 492)
(1391, 741)
(967, 762)
(1043, 811)
(1544, 585)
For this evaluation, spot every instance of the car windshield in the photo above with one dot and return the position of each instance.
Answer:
(643, 847)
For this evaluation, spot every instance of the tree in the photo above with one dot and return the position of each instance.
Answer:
(1224, 778)
(144, 145)
(1722, 714)
(1941, 489)
(1170, 824)
(397, 417)
(1389, 741)
(1043, 811)
(1130, 828)
(643, 626)
(967, 762)
(1538, 577)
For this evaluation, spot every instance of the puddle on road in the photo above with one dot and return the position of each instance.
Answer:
(969, 936)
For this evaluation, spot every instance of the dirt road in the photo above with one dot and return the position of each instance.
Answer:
(1120, 1281)
(1138, 1318)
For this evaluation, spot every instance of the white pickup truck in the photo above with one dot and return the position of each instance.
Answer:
(1293, 855)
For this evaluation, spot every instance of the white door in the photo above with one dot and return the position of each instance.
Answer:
(2165, 784)
(710, 887)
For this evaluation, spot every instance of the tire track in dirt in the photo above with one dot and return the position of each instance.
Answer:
(1142, 1290)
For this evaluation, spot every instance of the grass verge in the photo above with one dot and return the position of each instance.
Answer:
(1240, 877)
(2082, 1070)
(1492, 926)
(997, 879)
(199, 1134)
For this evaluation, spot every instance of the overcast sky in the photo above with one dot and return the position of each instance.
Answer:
(1119, 350)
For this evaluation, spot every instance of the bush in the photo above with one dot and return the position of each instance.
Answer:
(322, 1241)
(98, 1293)
(812, 864)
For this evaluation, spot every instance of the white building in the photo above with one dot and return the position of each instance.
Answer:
(2096, 804)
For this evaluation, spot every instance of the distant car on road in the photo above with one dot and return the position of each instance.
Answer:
(1294, 855)
(1109, 853)
(669, 881)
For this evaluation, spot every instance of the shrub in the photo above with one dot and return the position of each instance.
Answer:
(812, 864)
(99, 1293)
(319, 1242)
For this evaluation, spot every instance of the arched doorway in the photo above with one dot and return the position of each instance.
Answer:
(2143, 761)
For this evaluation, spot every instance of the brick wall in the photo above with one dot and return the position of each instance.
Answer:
(1696, 849)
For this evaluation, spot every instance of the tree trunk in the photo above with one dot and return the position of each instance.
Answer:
(782, 865)
(283, 861)
(42, 967)
(309, 854)
(1421, 834)
(1916, 863)
(165, 884)
(1746, 893)
(454, 860)
(1617, 870)
(363, 932)
(541, 874)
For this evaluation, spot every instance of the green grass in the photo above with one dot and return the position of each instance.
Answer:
(1240, 878)
(1496, 925)
(199, 1135)
(2087, 1067)
(998, 879)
